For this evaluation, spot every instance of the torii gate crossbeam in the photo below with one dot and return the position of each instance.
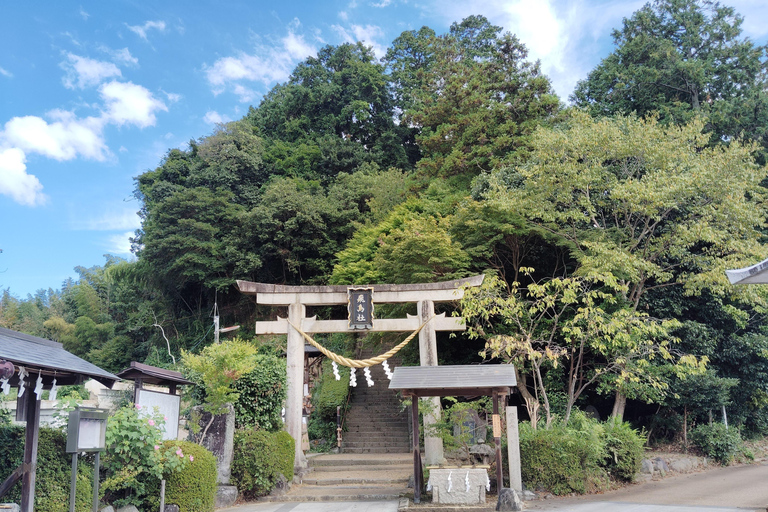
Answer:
(296, 298)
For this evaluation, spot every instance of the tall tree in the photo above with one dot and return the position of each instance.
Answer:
(681, 58)
(337, 109)
(480, 101)
(643, 207)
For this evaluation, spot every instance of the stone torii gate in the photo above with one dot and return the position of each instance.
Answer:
(296, 298)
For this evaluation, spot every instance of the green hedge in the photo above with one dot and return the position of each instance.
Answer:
(260, 458)
(717, 441)
(625, 449)
(561, 460)
(193, 488)
(54, 470)
(580, 457)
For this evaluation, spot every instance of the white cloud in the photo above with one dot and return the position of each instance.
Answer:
(84, 14)
(366, 34)
(5, 72)
(213, 117)
(63, 139)
(141, 30)
(123, 56)
(383, 3)
(266, 65)
(343, 15)
(172, 96)
(569, 38)
(23, 188)
(120, 244)
(83, 72)
(127, 103)
(111, 221)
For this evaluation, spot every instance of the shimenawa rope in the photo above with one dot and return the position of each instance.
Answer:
(360, 363)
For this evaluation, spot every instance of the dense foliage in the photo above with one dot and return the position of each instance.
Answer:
(328, 394)
(717, 441)
(580, 456)
(260, 459)
(136, 459)
(261, 394)
(54, 470)
(451, 157)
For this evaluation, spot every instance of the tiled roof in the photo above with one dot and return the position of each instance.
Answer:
(152, 374)
(50, 358)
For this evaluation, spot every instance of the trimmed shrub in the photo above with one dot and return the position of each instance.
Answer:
(261, 394)
(260, 458)
(562, 459)
(717, 441)
(625, 449)
(54, 470)
(193, 488)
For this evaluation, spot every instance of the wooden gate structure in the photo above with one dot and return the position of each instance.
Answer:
(297, 298)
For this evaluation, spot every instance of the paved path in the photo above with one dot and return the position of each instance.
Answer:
(741, 488)
(334, 506)
(732, 489)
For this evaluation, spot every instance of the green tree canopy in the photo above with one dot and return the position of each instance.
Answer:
(681, 58)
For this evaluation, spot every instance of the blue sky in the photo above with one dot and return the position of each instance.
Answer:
(94, 94)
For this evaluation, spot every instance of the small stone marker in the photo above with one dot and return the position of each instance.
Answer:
(509, 500)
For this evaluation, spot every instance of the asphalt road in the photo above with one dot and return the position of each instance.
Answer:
(739, 488)
(731, 489)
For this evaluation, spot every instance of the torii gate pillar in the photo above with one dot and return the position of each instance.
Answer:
(295, 381)
(433, 446)
(296, 298)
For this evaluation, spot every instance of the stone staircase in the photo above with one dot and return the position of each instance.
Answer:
(353, 477)
(375, 422)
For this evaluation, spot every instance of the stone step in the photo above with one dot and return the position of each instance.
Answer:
(343, 459)
(342, 493)
(375, 450)
(379, 476)
(373, 423)
(374, 444)
(364, 467)
(380, 434)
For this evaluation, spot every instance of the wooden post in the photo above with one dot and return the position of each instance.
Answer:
(418, 474)
(30, 449)
(497, 440)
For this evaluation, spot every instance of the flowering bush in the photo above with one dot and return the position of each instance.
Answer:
(136, 458)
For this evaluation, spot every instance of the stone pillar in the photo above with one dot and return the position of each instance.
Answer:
(433, 446)
(295, 381)
(513, 450)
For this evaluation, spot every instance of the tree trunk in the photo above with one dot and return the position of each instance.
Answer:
(619, 403)
(531, 402)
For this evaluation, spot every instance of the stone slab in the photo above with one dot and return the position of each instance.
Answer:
(458, 486)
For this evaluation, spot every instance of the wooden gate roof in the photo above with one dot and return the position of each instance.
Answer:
(458, 380)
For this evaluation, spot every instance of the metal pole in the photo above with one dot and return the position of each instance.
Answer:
(73, 485)
(162, 495)
(96, 484)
